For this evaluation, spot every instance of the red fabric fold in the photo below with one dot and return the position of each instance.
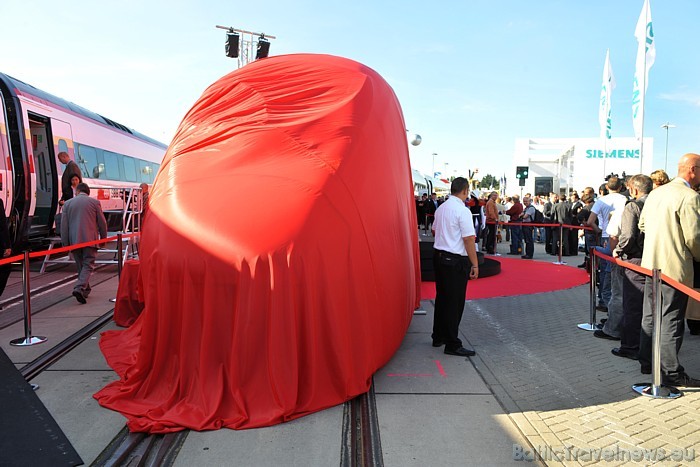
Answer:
(280, 264)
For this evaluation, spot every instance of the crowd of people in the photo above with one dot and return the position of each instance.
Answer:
(646, 220)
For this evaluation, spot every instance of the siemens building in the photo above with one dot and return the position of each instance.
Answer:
(567, 164)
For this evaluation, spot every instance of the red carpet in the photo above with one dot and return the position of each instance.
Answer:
(518, 277)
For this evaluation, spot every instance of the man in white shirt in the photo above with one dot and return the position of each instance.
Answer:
(602, 210)
(455, 261)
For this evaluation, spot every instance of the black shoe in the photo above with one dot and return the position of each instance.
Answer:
(78, 296)
(511, 253)
(603, 321)
(526, 257)
(602, 308)
(460, 352)
(599, 333)
(437, 343)
(693, 326)
(680, 379)
(582, 265)
(618, 352)
(645, 370)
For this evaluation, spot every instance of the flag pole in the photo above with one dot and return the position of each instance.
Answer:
(644, 90)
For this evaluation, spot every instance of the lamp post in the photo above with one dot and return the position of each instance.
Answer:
(666, 126)
(433, 173)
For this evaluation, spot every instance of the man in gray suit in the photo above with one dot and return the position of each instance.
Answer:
(83, 221)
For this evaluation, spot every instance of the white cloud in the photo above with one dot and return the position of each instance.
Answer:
(684, 97)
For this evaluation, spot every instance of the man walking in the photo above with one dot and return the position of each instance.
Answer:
(670, 223)
(83, 221)
(455, 261)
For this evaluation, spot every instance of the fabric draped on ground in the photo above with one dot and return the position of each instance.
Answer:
(519, 277)
(279, 260)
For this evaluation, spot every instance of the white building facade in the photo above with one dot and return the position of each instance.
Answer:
(561, 165)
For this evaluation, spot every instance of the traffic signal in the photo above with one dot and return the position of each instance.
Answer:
(521, 172)
(232, 40)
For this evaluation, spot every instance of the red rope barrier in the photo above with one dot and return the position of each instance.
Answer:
(532, 224)
(11, 259)
(690, 292)
(39, 254)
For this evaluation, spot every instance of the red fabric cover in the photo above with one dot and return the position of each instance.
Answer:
(280, 263)
(130, 303)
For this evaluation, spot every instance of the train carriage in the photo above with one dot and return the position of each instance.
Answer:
(34, 127)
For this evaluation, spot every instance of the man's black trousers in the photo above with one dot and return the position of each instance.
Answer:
(632, 305)
(451, 275)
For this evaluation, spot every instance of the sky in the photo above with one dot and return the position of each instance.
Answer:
(471, 76)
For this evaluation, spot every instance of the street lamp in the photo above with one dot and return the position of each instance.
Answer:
(433, 174)
(666, 126)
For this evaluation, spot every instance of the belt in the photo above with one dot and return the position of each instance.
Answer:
(448, 253)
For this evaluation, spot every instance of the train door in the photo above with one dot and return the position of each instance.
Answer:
(44, 175)
(63, 142)
(5, 161)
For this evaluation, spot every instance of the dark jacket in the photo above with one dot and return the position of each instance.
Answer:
(631, 241)
(71, 169)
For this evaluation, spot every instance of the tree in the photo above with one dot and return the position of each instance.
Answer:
(488, 181)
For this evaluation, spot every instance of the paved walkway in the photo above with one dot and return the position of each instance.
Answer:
(565, 390)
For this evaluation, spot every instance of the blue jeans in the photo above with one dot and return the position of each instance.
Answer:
(604, 268)
(516, 239)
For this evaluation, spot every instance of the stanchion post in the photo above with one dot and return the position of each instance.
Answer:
(591, 326)
(561, 243)
(28, 339)
(120, 254)
(656, 333)
(495, 240)
(656, 389)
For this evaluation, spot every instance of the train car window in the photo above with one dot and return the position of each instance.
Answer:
(146, 171)
(62, 145)
(111, 165)
(130, 173)
(87, 161)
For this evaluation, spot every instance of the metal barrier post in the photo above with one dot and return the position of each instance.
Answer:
(561, 244)
(120, 254)
(28, 339)
(495, 240)
(120, 259)
(656, 389)
(592, 326)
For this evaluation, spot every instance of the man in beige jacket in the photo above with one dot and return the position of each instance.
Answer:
(670, 221)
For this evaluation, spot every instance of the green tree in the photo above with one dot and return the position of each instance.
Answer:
(489, 180)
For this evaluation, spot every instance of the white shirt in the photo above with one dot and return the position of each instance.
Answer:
(453, 222)
(604, 206)
(615, 225)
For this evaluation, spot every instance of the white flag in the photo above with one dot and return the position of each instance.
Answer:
(604, 113)
(646, 54)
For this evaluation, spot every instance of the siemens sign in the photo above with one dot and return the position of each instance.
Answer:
(614, 154)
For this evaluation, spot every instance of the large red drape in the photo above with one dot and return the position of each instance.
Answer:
(280, 260)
